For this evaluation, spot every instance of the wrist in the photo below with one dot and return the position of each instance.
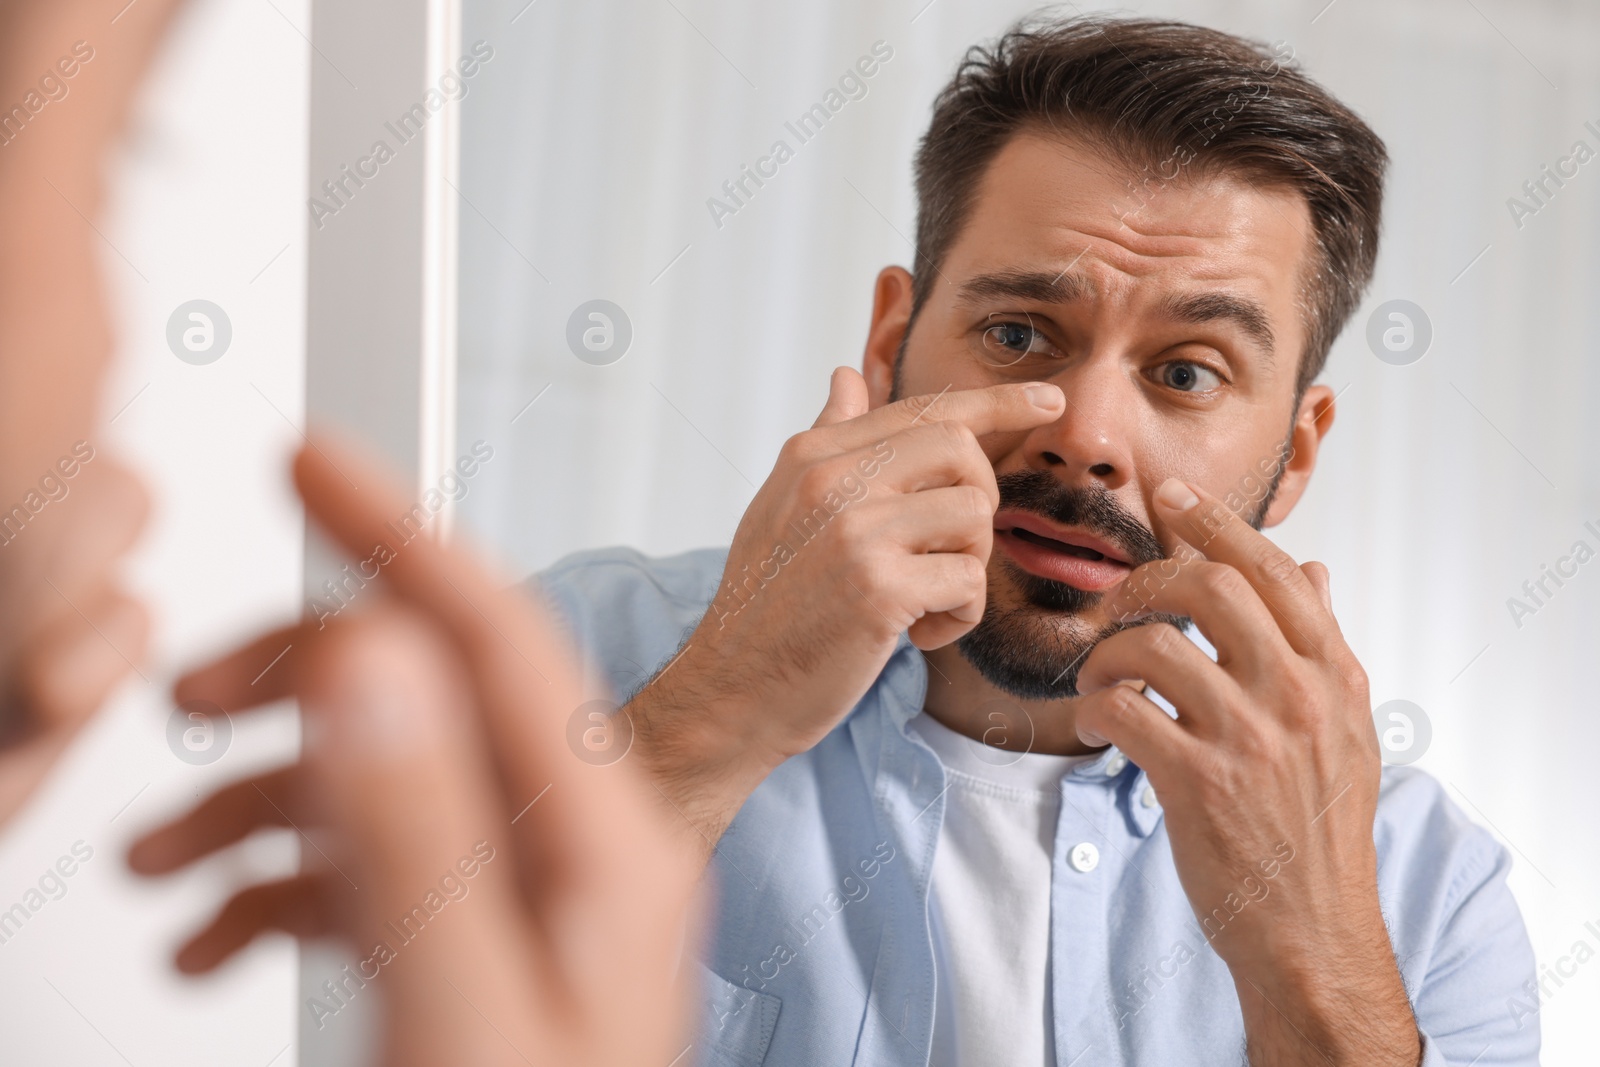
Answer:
(1299, 1008)
(697, 742)
(687, 737)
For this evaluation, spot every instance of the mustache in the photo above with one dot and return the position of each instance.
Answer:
(1091, 507)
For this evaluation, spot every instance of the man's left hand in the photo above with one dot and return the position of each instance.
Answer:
(1269, 779)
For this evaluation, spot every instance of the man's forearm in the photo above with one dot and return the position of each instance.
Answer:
(1343, 1006)
(694, 738)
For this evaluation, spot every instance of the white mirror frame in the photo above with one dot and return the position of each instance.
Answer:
(380, 313)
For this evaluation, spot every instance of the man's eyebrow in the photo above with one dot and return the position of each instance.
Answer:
(1040, 286)
(1065, 288)
(1246, 314)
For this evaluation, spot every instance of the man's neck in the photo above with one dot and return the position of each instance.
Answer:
(966, 702)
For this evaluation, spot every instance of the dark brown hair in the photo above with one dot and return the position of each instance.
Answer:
(1171, 100)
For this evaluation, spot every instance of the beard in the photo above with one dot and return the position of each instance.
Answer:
(1034, 649)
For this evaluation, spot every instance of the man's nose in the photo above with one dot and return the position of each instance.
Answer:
(1090, 441)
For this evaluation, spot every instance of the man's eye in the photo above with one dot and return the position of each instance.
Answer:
(1189, 377)
(1010, 342)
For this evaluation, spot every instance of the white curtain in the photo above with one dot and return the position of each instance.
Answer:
(598, 132)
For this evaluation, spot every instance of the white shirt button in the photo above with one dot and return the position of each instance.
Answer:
(1084, 858)
(1148, 797)
(1115, 765)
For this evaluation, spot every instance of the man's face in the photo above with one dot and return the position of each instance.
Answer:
(1169, 318)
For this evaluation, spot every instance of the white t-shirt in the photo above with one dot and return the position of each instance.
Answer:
(990, 901)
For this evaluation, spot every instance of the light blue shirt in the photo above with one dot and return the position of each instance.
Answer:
(822, 954)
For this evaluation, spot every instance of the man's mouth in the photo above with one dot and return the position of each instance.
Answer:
(1060, 553)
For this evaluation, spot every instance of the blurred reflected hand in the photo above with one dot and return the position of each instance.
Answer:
(436, 763)
(78, 634)
(68, 635)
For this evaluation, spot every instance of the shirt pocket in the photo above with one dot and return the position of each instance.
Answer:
(736, 1023)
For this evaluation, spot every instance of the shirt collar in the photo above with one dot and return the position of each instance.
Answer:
(903, 687)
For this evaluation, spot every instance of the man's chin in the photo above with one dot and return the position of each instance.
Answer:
(1031, 653)
(1034, 651)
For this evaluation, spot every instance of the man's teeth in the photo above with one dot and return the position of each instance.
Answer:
(1059, 546)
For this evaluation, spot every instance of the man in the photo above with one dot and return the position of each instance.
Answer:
(433, 715)
(973, 794)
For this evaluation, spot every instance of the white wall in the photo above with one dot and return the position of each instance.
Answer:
(208, 193)
(595, 137)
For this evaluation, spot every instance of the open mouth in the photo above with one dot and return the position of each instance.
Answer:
(1054, 545)
(1026, 539)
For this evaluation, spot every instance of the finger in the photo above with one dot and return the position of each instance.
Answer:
(954, 519)
(261, 671)
(993, 409)
(70, 670)
(449, 585)
(1161, 657)
(398, 756)
(930, 455)
(1211, 527)
(100, 519)
(847, 397)
(295, 906)
(83, 536)
(1122, 716)
(1216, 596)
(1317, 574)
(229, 815)
(951, 590)
(521, 666)
(523, 672)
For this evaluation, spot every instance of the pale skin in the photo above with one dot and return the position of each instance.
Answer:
(434, 715)
(69, 634)
(1159, 398)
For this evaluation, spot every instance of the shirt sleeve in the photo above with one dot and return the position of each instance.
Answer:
(1477, 1004)
(1431, 1056)
(627, 613)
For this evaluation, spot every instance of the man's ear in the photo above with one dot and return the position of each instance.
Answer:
(1311, 422)
(891, 316)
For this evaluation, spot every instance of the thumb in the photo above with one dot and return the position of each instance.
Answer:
(847, 397)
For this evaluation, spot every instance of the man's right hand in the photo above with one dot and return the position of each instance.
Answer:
(872, 524)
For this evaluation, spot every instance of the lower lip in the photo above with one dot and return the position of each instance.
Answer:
(1090, 575)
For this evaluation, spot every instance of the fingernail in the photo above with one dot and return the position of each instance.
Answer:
(1177, 496)
(1044, 397)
